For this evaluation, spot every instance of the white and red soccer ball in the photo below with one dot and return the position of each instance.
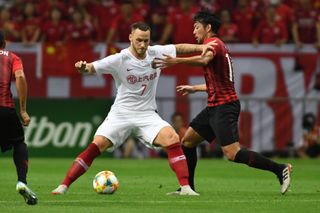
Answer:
(105, 182)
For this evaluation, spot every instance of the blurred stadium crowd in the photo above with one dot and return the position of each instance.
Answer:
(243, 21)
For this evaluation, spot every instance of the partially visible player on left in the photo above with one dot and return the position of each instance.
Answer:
(11, 131)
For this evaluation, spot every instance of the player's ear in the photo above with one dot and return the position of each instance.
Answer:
(130, 37)
(208, 28)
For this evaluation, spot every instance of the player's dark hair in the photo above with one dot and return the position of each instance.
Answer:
(206, 17)
(308, 121)
(141, 26)
(2, 39)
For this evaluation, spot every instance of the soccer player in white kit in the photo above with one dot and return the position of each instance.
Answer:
(135, 107)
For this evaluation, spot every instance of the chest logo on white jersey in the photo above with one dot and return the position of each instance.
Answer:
(132, 79)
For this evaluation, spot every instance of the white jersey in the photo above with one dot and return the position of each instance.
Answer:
(136, 80)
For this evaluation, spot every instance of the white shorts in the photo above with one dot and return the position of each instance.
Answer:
(118, 126)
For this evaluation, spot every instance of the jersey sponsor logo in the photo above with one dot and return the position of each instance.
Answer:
(132, 79)
(3, 52)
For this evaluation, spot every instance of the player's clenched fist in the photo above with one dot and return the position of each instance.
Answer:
(81, 66)
(84, 67)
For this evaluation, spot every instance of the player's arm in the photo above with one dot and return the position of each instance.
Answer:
(84, 67)
(198, 60)
(195, 48)
(21, 85)
(188, 89)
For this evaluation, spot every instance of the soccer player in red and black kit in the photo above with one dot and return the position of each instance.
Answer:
(219, 120)
(11, 131)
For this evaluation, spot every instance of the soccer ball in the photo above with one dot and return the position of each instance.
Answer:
(105, 182)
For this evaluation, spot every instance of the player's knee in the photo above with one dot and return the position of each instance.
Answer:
(230, 154)
(102, 143)
(171, 138)
(230, 151)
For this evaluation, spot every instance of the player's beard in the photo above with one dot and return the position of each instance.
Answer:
(141, 52)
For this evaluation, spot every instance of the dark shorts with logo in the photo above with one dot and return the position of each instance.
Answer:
(11, 131)
(219, 122)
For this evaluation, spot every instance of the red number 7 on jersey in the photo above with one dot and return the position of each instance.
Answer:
(144, 88)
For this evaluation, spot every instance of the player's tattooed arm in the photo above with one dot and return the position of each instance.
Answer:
(84, 67)
(188, 89)
(199, 60)
(195, 48)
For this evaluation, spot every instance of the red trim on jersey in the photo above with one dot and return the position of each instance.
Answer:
(9, 64)
(219, 76)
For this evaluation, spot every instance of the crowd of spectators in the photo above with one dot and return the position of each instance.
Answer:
(243, 21)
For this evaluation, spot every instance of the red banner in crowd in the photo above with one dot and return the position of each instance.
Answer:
(59, 60)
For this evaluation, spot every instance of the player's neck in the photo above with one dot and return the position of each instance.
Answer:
(210, 35)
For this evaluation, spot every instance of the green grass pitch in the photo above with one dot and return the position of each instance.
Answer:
(224, 187)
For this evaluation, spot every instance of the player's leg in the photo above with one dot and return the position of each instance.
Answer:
(253, 159)
(189, 145)
(168, 138)
(198, 131)
(111, 133)
(224, 121)
(13, 137)
(20, 159)
(83, 162)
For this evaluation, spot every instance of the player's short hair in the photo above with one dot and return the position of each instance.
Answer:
(2, 39)
(206, 17)
(141, 26)
(308, 121)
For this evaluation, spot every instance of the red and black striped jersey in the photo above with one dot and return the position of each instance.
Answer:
(9, 64)
(219, 75)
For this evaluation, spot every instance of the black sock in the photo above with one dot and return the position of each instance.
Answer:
(20, 158)
(191, 155)
(258, 161)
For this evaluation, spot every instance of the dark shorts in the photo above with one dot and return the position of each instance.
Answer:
(219, 122)
(11, 131)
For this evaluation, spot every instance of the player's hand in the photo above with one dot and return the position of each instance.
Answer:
(208, 47)
(164, 62)
(25, 118)
(81, 66)
(185, 89)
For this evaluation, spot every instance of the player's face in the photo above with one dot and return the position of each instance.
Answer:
(140, 41)
(199, 32)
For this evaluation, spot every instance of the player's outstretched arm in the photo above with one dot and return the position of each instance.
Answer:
(84, 67)
(189, 89)
(167, 60)
(21, 85)
(195, 48)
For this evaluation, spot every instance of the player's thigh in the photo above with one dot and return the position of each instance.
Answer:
(153, 131)
(224, 122)
(11, 129)
(200, 129)
(191, 138)
(115, 129)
